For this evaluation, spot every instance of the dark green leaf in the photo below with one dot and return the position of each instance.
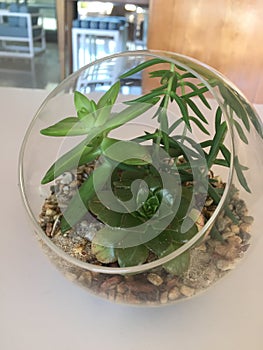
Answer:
(215, 234)
(196, 92)
(213, 193)
(178, 265)
(196, 110)
(221, 162)
(112, 218)
(159, 73)
(200, 125)
(183, 108)
(78, 205)
(142, 66)
(206, 144)
(218, 118)
(240, 132)
(132, 256)
(199, 93)
(255, 120)
(217, 142)
(240, 174)
(147, 98)
(175, 125)
(160, 244)
(235, 103)
(226, 153)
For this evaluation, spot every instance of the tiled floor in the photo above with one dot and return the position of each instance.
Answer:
(41, 72)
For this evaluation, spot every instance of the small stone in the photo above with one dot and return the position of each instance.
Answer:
(50, 212)
(208, 202)
(67, 178)
(66, 189)
(187, 291)
(222, 224)
(201, 247)
(155, 279)
(174, 293)
(70, 276)
(248, 219)
(235, 229)
(225, 265)
(119, 298)
(164, 298)
(122, 288)
(228, 234)
(110, 283)
(245, 228)
(85, 278)
(112, 294)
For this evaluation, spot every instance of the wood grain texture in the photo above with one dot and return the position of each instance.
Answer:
(225, 34)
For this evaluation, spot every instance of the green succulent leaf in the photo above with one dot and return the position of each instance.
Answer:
(103, 254)
(105, 104)
(110, 96)
(159, 245)
(83, 105)
(77, 156)
(70, 126)
(178, 265)
(128, 114)
(110, 217)
(127, 152)
(132, 256)
(78, 205)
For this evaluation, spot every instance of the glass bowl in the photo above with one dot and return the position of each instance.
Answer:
(141, 176)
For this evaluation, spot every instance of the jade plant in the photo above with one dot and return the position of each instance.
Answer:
(149, 192)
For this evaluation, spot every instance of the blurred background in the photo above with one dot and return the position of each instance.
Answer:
(43, 41)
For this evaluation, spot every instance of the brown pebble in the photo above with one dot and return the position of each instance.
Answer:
(110, 283)
(245, 228)
(85, 278)
(164, 297)
(235, 229)
(155, 279)
(174, 293)
(248, 219)
(225, 265)
(187, 291)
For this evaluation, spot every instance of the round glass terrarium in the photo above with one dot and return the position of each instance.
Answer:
(141, 176)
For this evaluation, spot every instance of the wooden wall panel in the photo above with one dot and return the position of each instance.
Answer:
(226, 34)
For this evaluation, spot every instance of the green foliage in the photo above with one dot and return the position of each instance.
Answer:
(143, 207)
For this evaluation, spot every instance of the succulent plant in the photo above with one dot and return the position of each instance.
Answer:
(149, 192)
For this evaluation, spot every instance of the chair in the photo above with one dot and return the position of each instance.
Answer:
(21, 32)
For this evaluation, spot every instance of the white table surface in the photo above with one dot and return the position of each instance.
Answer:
(40, 309)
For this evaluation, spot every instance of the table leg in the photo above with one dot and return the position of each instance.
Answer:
(65, 12)
(60, 7)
